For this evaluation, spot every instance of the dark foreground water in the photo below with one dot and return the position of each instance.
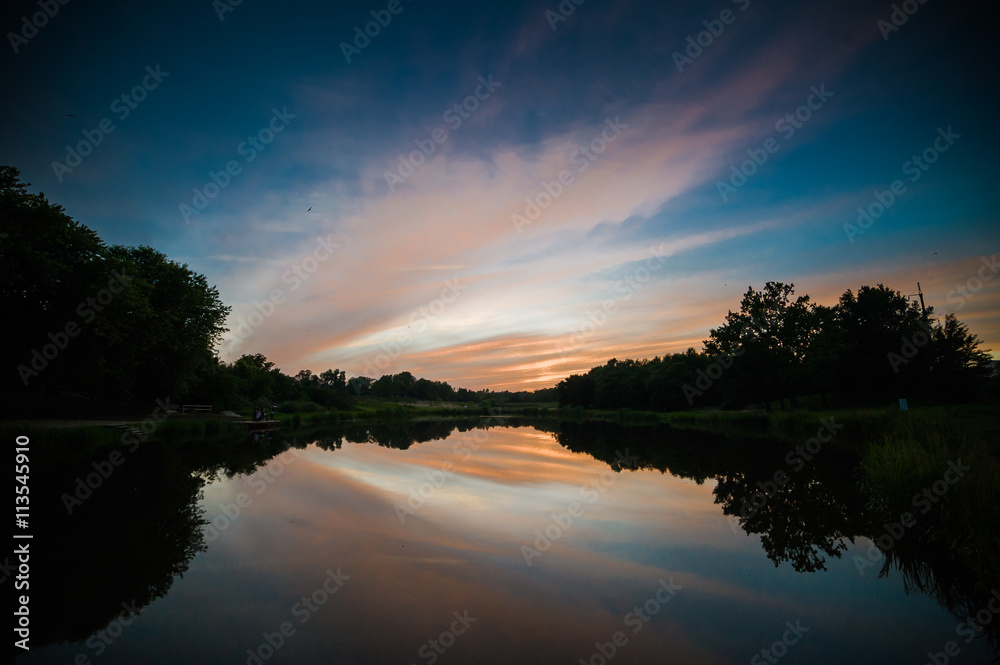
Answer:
(503, 545)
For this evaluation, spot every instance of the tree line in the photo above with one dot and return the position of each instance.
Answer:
(86, 318)
(872, 347)
(97, 327)
(253, 379)
(92, 326)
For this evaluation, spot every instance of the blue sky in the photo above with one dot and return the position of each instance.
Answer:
(440, 272)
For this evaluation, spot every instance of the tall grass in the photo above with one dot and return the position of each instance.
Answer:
(963, 516)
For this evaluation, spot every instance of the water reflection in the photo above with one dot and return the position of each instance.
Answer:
(144, 529)
(803, 512)
(803, 516)
(109, 539)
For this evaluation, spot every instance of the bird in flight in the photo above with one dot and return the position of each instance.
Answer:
(70, 115)
(310, 209)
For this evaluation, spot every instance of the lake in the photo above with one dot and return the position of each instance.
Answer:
(449, 543)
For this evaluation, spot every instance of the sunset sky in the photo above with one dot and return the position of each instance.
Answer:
(570, 209)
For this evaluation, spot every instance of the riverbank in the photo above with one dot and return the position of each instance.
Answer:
(857, 429)
(943, 461)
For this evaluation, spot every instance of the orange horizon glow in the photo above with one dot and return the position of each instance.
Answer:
(529, 362)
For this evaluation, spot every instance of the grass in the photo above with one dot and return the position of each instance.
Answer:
(912, 468)
(858, 425)
(858, 428)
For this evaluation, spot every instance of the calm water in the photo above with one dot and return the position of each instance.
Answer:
(499, 545)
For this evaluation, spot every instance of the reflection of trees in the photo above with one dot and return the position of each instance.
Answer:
(655, 447)
(963, 581)
(125, 543)
(809, 518)
(399, 434)
(143, 526)
(806, 520)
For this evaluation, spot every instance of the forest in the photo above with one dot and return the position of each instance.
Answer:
(97, 327)
(108, 328)
(871, 348)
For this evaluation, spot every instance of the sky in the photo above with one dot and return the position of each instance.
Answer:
(499, 195)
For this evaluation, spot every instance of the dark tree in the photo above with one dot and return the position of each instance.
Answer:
(877, 322)
(767, 339)
(119, 323)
